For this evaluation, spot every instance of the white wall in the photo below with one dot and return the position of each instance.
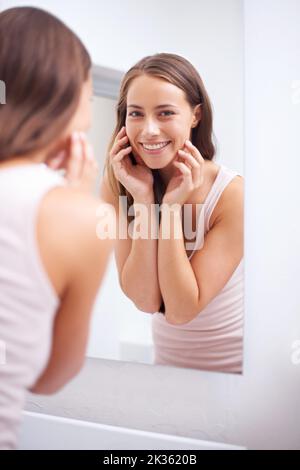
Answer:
(208, 33)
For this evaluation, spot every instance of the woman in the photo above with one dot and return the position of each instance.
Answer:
(51, 259)
(162, 152)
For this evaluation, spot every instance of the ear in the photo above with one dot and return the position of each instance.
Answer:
(197, 115)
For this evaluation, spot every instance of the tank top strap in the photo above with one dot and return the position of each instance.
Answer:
(224, 177)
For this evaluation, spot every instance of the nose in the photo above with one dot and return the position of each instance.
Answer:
(150, 128)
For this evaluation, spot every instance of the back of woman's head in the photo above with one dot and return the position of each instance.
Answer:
(43, 65)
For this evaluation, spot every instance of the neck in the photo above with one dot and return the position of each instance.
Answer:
(167, 173)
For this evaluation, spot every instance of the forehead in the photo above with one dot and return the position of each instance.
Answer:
(148, 91)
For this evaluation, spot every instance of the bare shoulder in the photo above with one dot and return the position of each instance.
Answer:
(67, 233)
(70, 209)
(231, 201)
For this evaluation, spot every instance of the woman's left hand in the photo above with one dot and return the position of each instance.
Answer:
(188, 177)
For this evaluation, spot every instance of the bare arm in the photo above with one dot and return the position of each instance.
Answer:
(188, 286)
(136, 259)
(139, 277)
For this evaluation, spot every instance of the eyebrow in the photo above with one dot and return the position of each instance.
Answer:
(156, 107)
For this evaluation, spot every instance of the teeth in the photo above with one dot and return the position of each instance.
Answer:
(155, 146)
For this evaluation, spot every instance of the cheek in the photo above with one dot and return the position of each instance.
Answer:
(83, 124)
(86, 120)
(83, 119)
(131, 129)
(177, 132)
(175, 127)
(87, 116)
(184, 130)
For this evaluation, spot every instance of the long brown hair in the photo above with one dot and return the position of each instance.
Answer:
(180, 72)
(43, 65)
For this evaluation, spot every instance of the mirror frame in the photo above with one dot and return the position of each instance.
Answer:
(106, 81)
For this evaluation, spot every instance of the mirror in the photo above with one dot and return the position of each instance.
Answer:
(119, 330)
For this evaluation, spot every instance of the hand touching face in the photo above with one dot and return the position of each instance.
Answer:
(188, 177)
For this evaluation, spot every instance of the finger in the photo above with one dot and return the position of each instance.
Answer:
(186, 172)
(74, 167)
(56, 162)
(88, 152)
(194, 151)
(90, 168)
(194, 166)
(119, 144)
(119, 156)
(121, 131)
(120, 134)
(89, 160)
(189, 158)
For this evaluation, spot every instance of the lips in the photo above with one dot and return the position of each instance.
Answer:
(154, 147)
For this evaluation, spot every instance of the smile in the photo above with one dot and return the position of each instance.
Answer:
(155, 147)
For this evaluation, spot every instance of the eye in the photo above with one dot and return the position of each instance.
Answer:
(134, 114)
(167, 113)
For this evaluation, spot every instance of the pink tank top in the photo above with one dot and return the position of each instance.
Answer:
(28, 301)
(213, 340)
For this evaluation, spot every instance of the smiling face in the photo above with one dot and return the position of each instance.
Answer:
(158, 120)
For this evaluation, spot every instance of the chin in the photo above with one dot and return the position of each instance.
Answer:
(155, 165)
(158, 161)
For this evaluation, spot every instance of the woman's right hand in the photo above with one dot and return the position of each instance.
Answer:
(137, 179)
(79, 163)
